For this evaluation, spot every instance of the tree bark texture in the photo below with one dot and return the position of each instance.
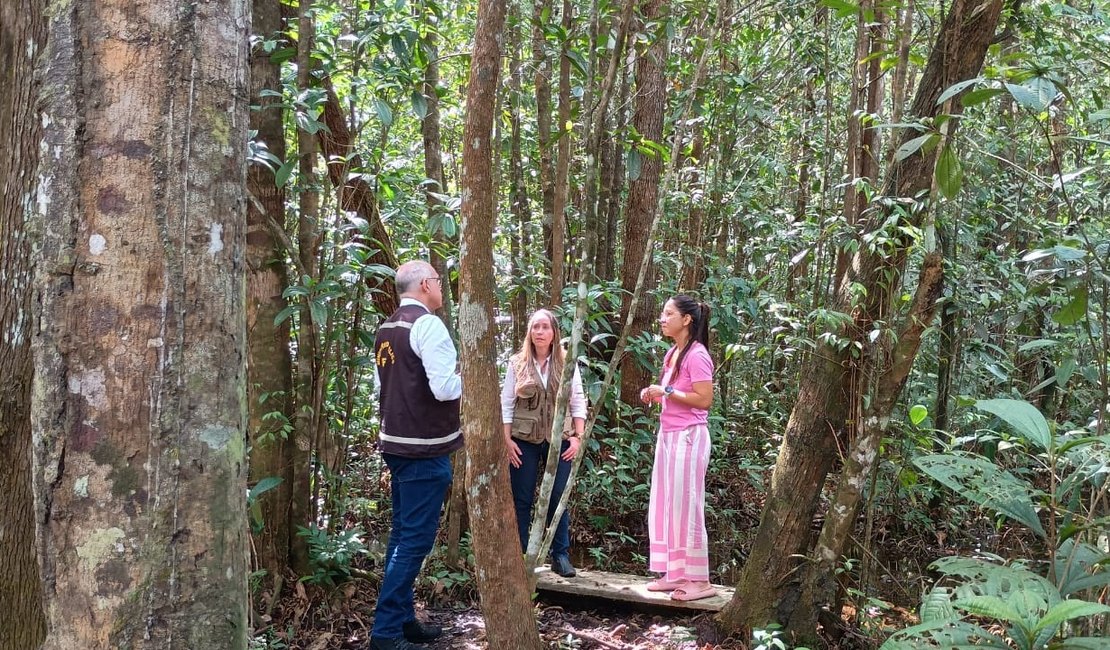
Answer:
(521, 241)
(819, 588)
(139, 409)
(648, 103)
(22, 36)
(505, 597)
(768, 587)
(542, 81)
(269, 366)
(562, 170)
(337, 145)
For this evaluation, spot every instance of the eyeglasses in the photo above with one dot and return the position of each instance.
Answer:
(436, 278)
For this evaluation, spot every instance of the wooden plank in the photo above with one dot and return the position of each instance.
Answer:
(625, 588)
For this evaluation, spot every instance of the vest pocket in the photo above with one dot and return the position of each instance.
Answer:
(525, 429)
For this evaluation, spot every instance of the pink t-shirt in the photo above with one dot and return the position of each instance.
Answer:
(696, 367)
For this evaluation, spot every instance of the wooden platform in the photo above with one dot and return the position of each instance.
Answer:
(624, 588)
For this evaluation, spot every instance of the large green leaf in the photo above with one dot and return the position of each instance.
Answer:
(1074, 311)
(1069, 609)
(910, 147)
(949, 174)
(1023, 418)
(1081, 566)
(984, 483)
(951, 634)
(991, 607)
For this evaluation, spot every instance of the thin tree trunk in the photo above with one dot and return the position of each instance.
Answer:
(309, 360)
(542, 80)
(768, 587)
(520, 239)
(505, 597)
(269, 366)
(643, 195)
(695, 221)
(22, 36)
(562, 169)
(139, 413)
(866, 99)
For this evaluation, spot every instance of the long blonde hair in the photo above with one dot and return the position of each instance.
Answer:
(524, 359)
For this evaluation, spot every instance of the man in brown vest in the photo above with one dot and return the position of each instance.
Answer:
(415, 364)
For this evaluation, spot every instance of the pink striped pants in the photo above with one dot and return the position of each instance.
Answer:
(676, 512)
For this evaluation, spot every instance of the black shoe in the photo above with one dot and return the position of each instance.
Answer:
(561, 565)
(418, 632)
(394, 644)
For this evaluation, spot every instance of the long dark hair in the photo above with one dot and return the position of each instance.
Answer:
(699, 326)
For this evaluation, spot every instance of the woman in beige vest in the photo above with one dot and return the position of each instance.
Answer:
(527, 410)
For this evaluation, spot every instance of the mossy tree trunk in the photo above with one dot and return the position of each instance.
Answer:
(770, 585)
(22, 34)
(269, 366)
(139, 406)
(505, 597)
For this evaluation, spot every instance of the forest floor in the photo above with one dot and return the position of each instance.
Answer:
(341, 619)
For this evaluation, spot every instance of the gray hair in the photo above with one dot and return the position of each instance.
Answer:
(411, 274)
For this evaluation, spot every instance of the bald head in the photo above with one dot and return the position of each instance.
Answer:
(418, 280)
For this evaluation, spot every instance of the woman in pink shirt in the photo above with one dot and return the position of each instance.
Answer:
(679, 548)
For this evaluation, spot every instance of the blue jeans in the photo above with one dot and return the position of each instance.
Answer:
(533, 458)
(419, 486)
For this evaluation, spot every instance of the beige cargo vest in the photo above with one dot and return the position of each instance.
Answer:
(535, 409)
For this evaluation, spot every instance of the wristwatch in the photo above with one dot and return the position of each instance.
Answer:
(668, 390)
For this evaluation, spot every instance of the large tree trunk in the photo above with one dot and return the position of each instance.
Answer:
(22, 34)
(643, 193)
(269, 367)
(505, 597)
(768, 587)
(139, 412)
(893, 368)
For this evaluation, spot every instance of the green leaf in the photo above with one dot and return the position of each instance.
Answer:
(1067, 610)
(1035, 94)
(950, 175)
(264, 486)
(284, 314)
(1074, 311)
(1098, 116)
(843, 8)
(1064, 371)
(1023, 418)
(419, 104)
(957, 88)
(385, 113)
(918, 413)
(982, 482)
(635, 164)
(1038, 344)
(910, 147)
(979, 95)
(990, 606)
(281, 176)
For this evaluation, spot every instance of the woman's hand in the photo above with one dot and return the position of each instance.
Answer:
(652, 393)
(572, 450)
(514, 452)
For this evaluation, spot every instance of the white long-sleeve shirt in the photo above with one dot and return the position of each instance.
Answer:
(431, 342)
(508, 392)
